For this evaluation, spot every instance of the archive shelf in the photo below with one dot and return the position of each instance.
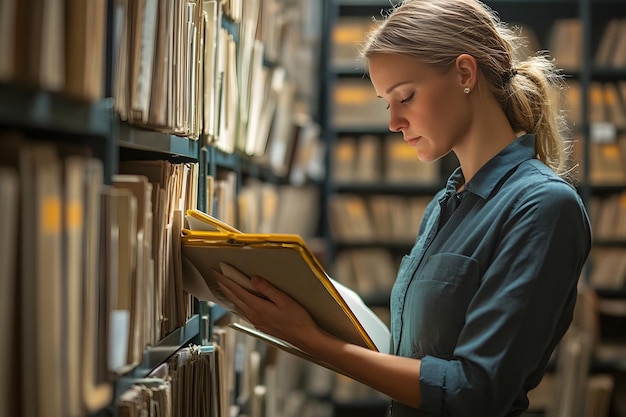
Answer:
(58, 119)
(51, 114)
(362, 130)
(386, 188)
(220, 159)
(608, 73)
(29, 108)
(243, 165)
(151, 141)
(599, 14)
(156, 355)
(96, 126)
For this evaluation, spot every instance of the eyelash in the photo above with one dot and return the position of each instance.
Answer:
(408, 99)
(405, 101)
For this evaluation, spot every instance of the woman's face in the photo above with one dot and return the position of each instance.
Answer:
(427, 106)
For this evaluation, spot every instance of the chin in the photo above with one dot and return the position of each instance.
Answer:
(426, 157)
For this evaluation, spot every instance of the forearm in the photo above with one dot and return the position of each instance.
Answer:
(395, 376)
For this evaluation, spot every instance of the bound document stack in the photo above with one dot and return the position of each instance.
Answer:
(286, 262)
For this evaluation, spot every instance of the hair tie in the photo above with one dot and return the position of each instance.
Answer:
(508, 75)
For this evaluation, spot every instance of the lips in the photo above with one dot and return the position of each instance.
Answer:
(413, 141)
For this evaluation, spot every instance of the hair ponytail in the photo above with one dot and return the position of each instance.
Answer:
(531, 100)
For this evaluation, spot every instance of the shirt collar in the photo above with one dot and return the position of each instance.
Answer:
(489, 175)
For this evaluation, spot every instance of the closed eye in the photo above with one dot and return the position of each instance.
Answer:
(408, 99)
(405, 101)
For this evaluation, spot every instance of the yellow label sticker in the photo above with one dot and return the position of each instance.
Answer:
(353, 95)
(610, 97)
(348, 34)
(402, 151)
(344, 152)
(611, 151)
(74, 215)
(51, 215)
(355, 208)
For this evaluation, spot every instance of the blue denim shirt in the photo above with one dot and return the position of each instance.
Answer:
(484, 300)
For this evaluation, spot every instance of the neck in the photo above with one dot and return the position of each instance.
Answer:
(489, 133)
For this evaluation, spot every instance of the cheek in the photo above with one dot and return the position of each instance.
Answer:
(445, 102)
(448, 111)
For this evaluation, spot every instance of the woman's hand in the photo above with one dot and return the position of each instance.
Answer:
(272, 312)
(277, 314)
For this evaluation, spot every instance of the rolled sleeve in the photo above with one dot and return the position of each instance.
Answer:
(432, 384)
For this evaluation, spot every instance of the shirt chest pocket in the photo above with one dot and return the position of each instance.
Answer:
(450, 268)
(437, 301)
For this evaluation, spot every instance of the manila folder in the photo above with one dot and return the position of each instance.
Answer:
(286, 262)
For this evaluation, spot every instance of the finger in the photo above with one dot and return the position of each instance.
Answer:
(271, 292)
(240, 307)
(222, 293)
(241, 293)
(235, 285)
(234, 274)
(226, 297)
(250, 305)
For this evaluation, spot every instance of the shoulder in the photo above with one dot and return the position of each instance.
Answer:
(542, 207)
(535, 187)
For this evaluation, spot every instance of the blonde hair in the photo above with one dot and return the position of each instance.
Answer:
(437, 31)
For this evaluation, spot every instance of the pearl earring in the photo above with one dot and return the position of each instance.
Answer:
(466, 90)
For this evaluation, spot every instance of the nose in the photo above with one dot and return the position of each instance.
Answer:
(396, 121)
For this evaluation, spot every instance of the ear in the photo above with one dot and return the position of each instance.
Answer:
(467, 69)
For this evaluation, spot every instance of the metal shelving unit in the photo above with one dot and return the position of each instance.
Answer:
(26, 108)
(139, 138)
(156, 355)
(47, 114)
(58, 118)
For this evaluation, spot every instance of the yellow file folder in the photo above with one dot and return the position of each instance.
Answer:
(286, 262)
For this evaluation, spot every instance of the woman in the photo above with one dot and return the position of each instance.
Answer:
(489, 288)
